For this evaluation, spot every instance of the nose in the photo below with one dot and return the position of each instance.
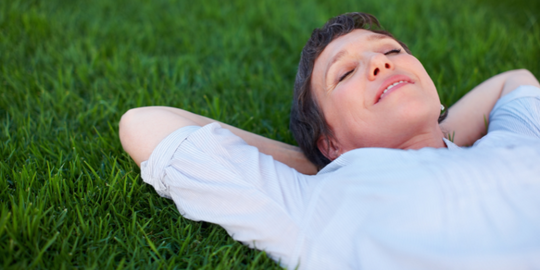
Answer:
(378, 64)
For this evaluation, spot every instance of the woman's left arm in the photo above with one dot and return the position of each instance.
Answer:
(466, 119)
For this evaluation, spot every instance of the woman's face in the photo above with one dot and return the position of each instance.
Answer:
(373, 94)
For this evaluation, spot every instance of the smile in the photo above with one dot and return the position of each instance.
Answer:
(390, 87)
(391, 84)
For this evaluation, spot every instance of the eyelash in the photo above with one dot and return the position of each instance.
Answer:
(392, 51)
(345, 75)
(386, 53)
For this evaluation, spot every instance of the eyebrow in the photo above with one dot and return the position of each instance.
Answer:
(343, 53)
(378, 37)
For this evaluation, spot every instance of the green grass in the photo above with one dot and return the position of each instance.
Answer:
(71, 198)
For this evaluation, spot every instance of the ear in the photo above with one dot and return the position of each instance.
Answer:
(328, 147)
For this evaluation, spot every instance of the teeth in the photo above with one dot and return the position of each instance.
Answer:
(390, 87)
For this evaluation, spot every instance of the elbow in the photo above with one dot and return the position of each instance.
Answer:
(523, 74)
(525, 77)
(124, 127)
(140, 130)
(516, 78)
(127, 128)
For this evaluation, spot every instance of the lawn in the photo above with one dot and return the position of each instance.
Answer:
(71, 198)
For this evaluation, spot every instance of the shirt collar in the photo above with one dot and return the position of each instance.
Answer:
(450, 145)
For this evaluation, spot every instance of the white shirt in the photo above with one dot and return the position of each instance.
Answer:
(372, 208)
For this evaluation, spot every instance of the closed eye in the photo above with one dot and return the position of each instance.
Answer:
(392, 51)
(345, 75)
(396, 51)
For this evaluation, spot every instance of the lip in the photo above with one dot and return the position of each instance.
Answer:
(390, 81)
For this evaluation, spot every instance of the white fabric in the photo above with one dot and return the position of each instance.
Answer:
(449, 144)
(372, 208)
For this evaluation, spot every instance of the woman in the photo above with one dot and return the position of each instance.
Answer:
(393, 193)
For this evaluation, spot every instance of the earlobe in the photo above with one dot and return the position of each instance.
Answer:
(328, 148)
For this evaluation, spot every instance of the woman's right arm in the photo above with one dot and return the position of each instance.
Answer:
(466, 119)
(142, 129)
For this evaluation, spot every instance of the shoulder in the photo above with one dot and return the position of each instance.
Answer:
(522, 92)
(515, 119)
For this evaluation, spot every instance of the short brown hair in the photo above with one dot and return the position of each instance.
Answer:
(307, 121)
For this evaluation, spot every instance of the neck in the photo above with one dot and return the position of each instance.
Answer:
(429, 138)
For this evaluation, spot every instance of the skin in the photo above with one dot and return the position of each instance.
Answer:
(142, 129)
(405, 118)
(466, 119)
(347, 81)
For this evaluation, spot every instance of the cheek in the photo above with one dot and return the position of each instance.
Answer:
(426, 83)
(346, 100)
(421, 72)
(333, 109)
(340, 111)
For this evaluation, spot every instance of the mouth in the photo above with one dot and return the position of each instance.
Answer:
(390, 85)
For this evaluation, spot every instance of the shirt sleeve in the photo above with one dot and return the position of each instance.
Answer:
(214, 176)
(518, 112)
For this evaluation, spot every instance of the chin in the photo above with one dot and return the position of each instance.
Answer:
(419, 113)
